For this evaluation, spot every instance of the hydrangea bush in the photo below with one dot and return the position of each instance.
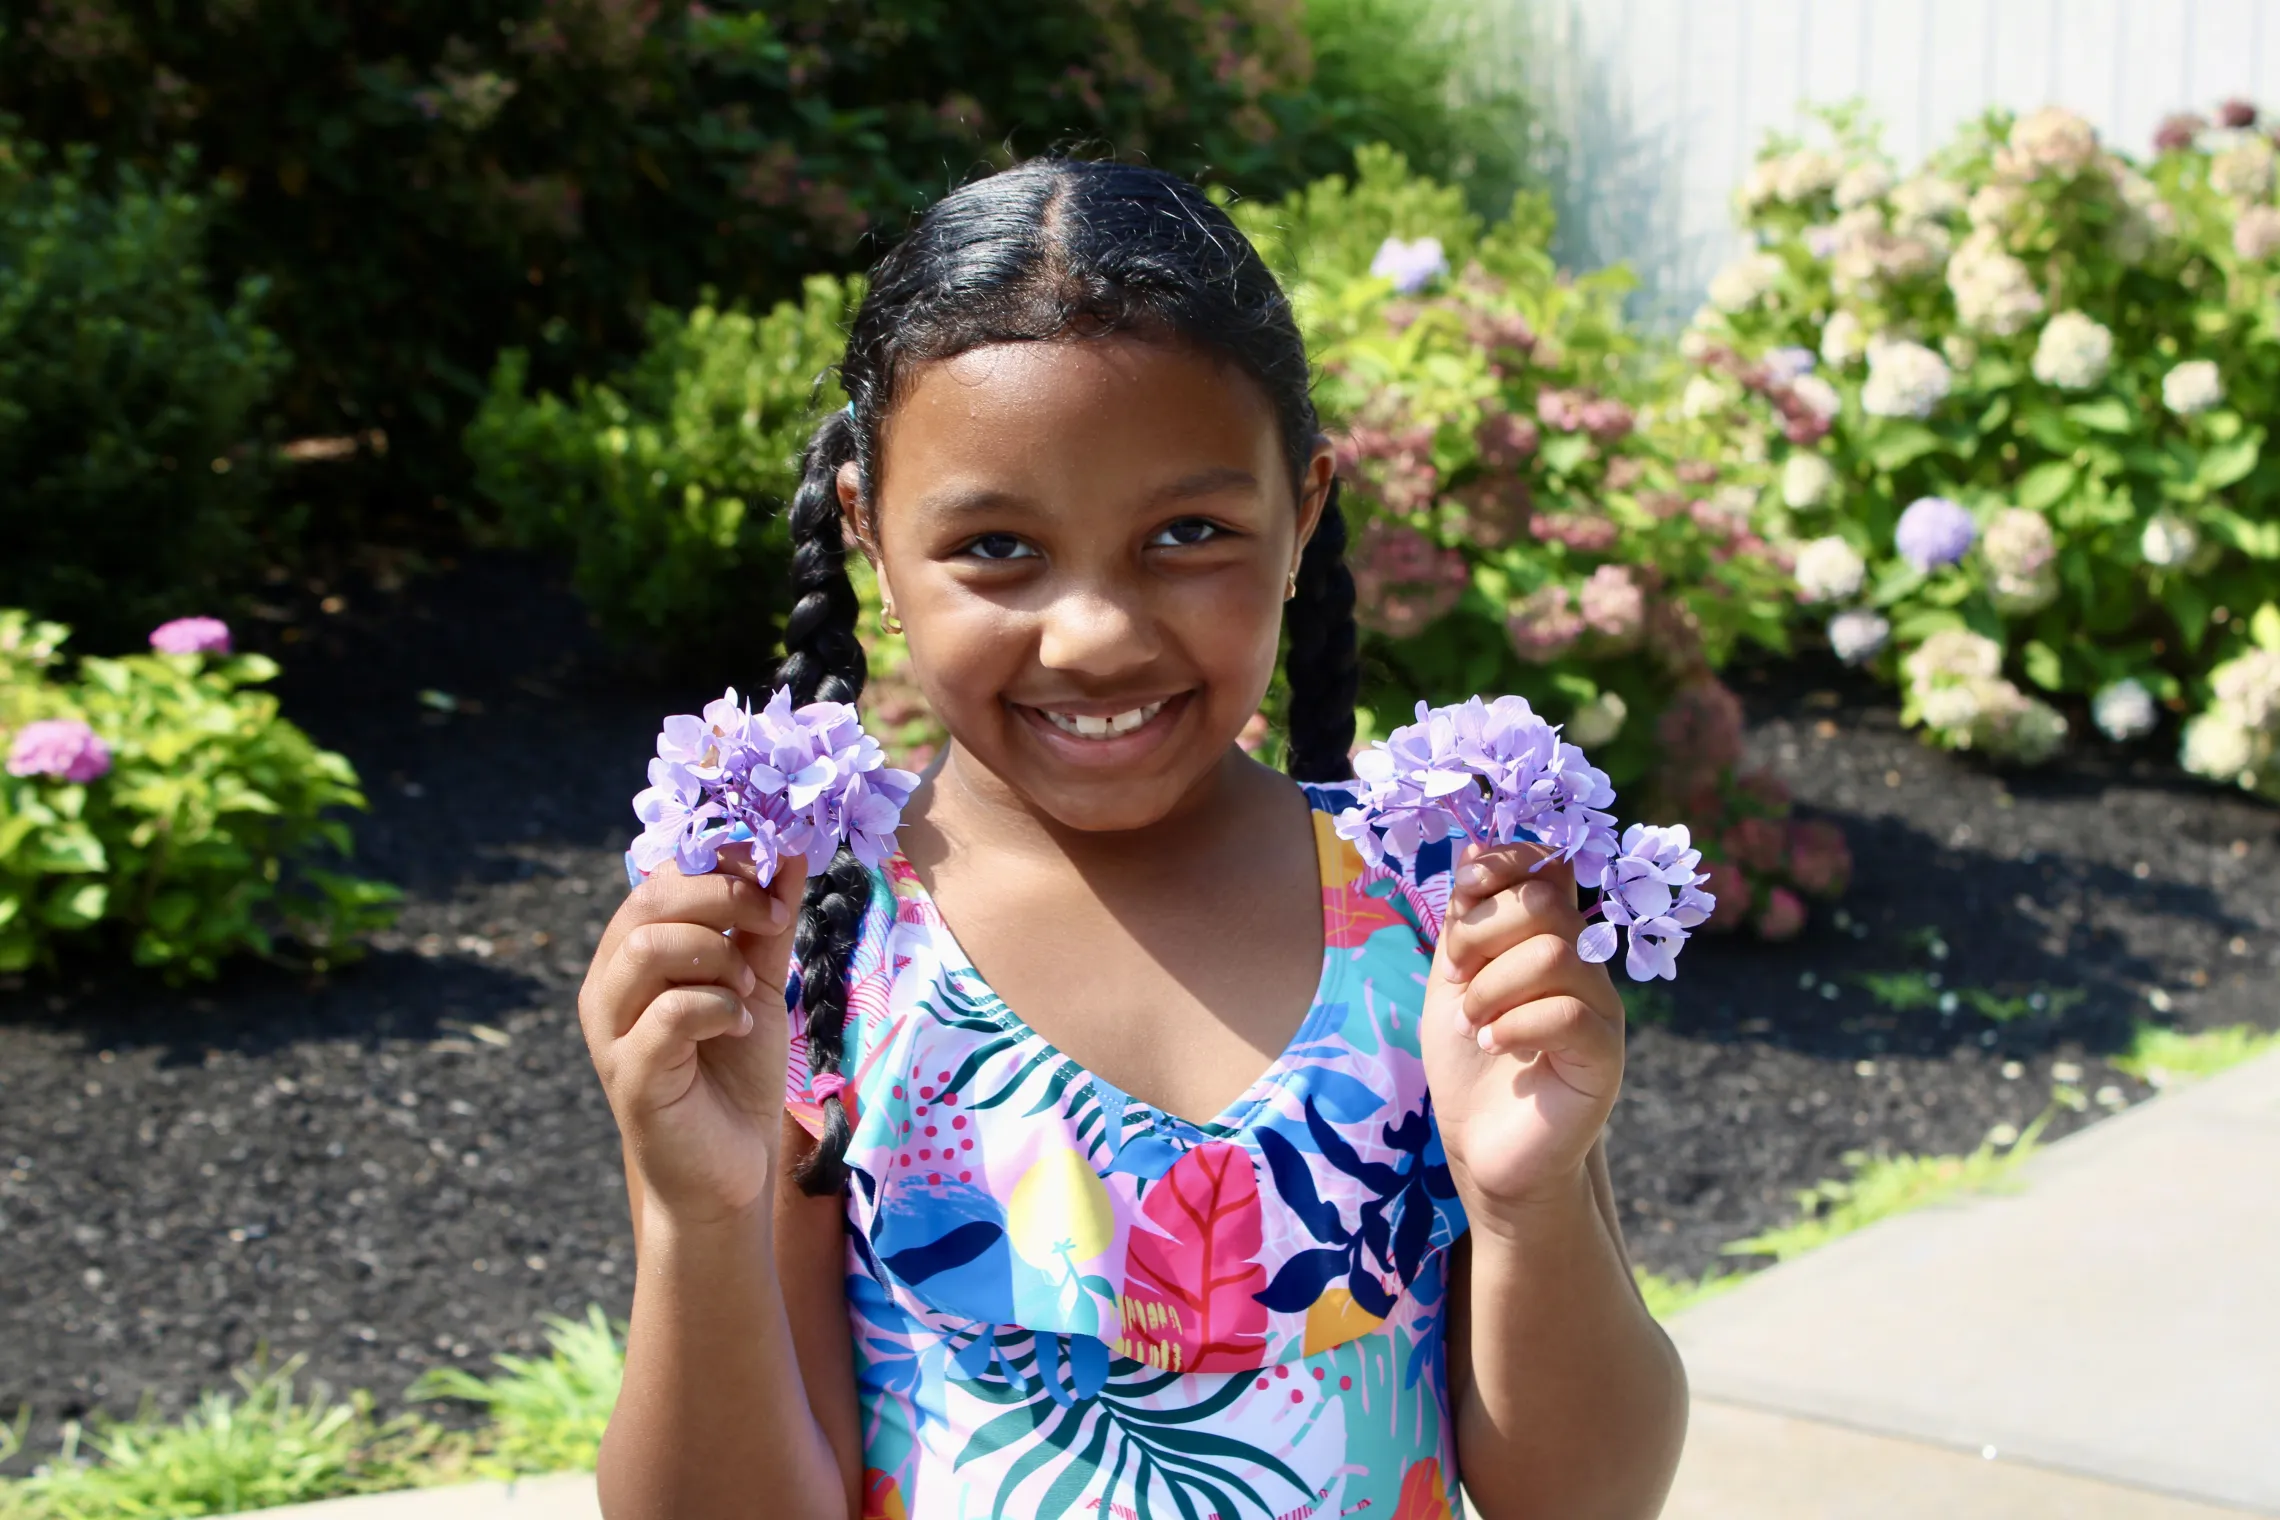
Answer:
(1514, 529)
(2006, 412)
(160, 797)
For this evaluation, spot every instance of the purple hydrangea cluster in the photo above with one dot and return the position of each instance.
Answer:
(1495, 772)
(1934, 531)
(785, 781)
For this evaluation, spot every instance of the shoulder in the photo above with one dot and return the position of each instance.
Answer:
(1420, 889)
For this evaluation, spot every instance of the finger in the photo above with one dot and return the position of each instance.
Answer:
(666, 1035)
(720, 900)
(1486, 870)
(656, 957)
(768, 954)
(1488, 928)
(1567, 1029)
(1544, 965)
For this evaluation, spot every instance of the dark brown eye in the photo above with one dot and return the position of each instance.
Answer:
(999, 546)
(1188, 530)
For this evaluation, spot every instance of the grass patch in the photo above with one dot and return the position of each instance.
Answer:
(547, 1413)
(1906, 991)
(1881, 1187)
(1902, 991)
(2165, 1057)
(1666, 1296)
(262, 1446)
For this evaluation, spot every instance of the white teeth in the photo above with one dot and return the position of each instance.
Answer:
(1086, 726)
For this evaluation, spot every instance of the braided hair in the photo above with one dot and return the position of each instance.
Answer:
(1052, 249)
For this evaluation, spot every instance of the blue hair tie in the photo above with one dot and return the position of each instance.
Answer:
(850, 411)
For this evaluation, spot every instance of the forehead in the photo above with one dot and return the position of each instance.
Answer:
(1085, 405)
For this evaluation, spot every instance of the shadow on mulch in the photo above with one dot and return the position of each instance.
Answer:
(404, 1165)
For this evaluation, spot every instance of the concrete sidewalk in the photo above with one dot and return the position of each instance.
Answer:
(2116, 1322)
(2101, 1344)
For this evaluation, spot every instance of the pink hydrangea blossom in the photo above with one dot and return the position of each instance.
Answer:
(63, 748)
(1782, 917)
(1613, 603)
(1544, 625)
(1403, 581)
(191, 635)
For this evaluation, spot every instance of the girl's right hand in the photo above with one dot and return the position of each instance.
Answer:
(683, 1009)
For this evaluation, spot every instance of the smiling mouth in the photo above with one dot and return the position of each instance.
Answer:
(1089, 726)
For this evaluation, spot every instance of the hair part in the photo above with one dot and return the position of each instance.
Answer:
(1053, 249)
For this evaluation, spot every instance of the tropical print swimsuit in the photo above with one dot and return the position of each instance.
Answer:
(1066, 1302)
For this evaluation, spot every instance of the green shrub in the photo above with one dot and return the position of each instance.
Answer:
(666, 484)
(128, 398)
(547, 1414)
(258, 1449)
(2075, 348)
(204, 832)
(431, 182)
(1513, 530)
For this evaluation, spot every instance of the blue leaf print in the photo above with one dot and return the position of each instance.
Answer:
(1149, 1156)
(1304, 1276)
(1375, 1175)
(1087, 1359)
(950, 1237)
(1344, 1098)
(1295, 1185)
(916, 1264)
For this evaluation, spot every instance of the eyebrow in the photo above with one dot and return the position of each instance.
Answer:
(955, 503)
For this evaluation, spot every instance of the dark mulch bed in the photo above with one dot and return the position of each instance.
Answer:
(405, 1165)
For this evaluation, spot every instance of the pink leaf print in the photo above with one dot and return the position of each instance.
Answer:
(1189, 1284)
(1422, 1496)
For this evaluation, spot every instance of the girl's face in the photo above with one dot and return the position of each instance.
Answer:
(1088, 543)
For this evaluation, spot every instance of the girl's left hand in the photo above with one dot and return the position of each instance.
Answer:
(1523, 1040)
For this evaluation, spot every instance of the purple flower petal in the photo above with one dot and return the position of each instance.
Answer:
(1596, 943)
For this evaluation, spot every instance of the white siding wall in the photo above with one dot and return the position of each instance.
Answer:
(1663, 102)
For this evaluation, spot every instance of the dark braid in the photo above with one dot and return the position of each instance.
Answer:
(823, 661)
(1050, 250)
(1320, 664)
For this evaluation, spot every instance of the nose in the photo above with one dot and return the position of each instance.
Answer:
(1098, 631)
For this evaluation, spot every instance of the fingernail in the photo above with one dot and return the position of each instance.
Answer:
(750, 979)
(1485, 1040)
(1477, 875)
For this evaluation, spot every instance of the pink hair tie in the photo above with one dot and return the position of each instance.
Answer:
(820, 1088)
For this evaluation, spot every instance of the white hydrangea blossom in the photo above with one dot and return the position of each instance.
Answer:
(2256, 233)
(1993, 291)
(1951, 655)
(2243, 171)
(1904, 380)
(1801, 175)
(1862, 183)
(1695, 343)
(2020, 729)
(1759, 187)
(1856, 634)
(1992, 207)
(1950, 707)
(2124, 710)
(2218, 745)
(2022, 552)
(1806, 481)
(1597, 721)
(1704, 396)
(1745, 282)
(1829, 570)
(2193, 386)
(1843, 339)
(2073, 351)
(2052, 138)
(2249, 686)
(1927, 198)
(1818, 396)
(1959, 350)
(2168, 541)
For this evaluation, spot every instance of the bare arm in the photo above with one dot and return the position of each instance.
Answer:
(1568, 1399)
(728, 1412)
(739, 1396)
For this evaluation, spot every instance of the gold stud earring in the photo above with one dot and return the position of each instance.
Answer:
(1290, 586)
(888, 620)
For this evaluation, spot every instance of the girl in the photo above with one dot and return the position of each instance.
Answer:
(1143, 1155)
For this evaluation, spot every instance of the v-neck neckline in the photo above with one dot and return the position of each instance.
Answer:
(1237, 1114)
